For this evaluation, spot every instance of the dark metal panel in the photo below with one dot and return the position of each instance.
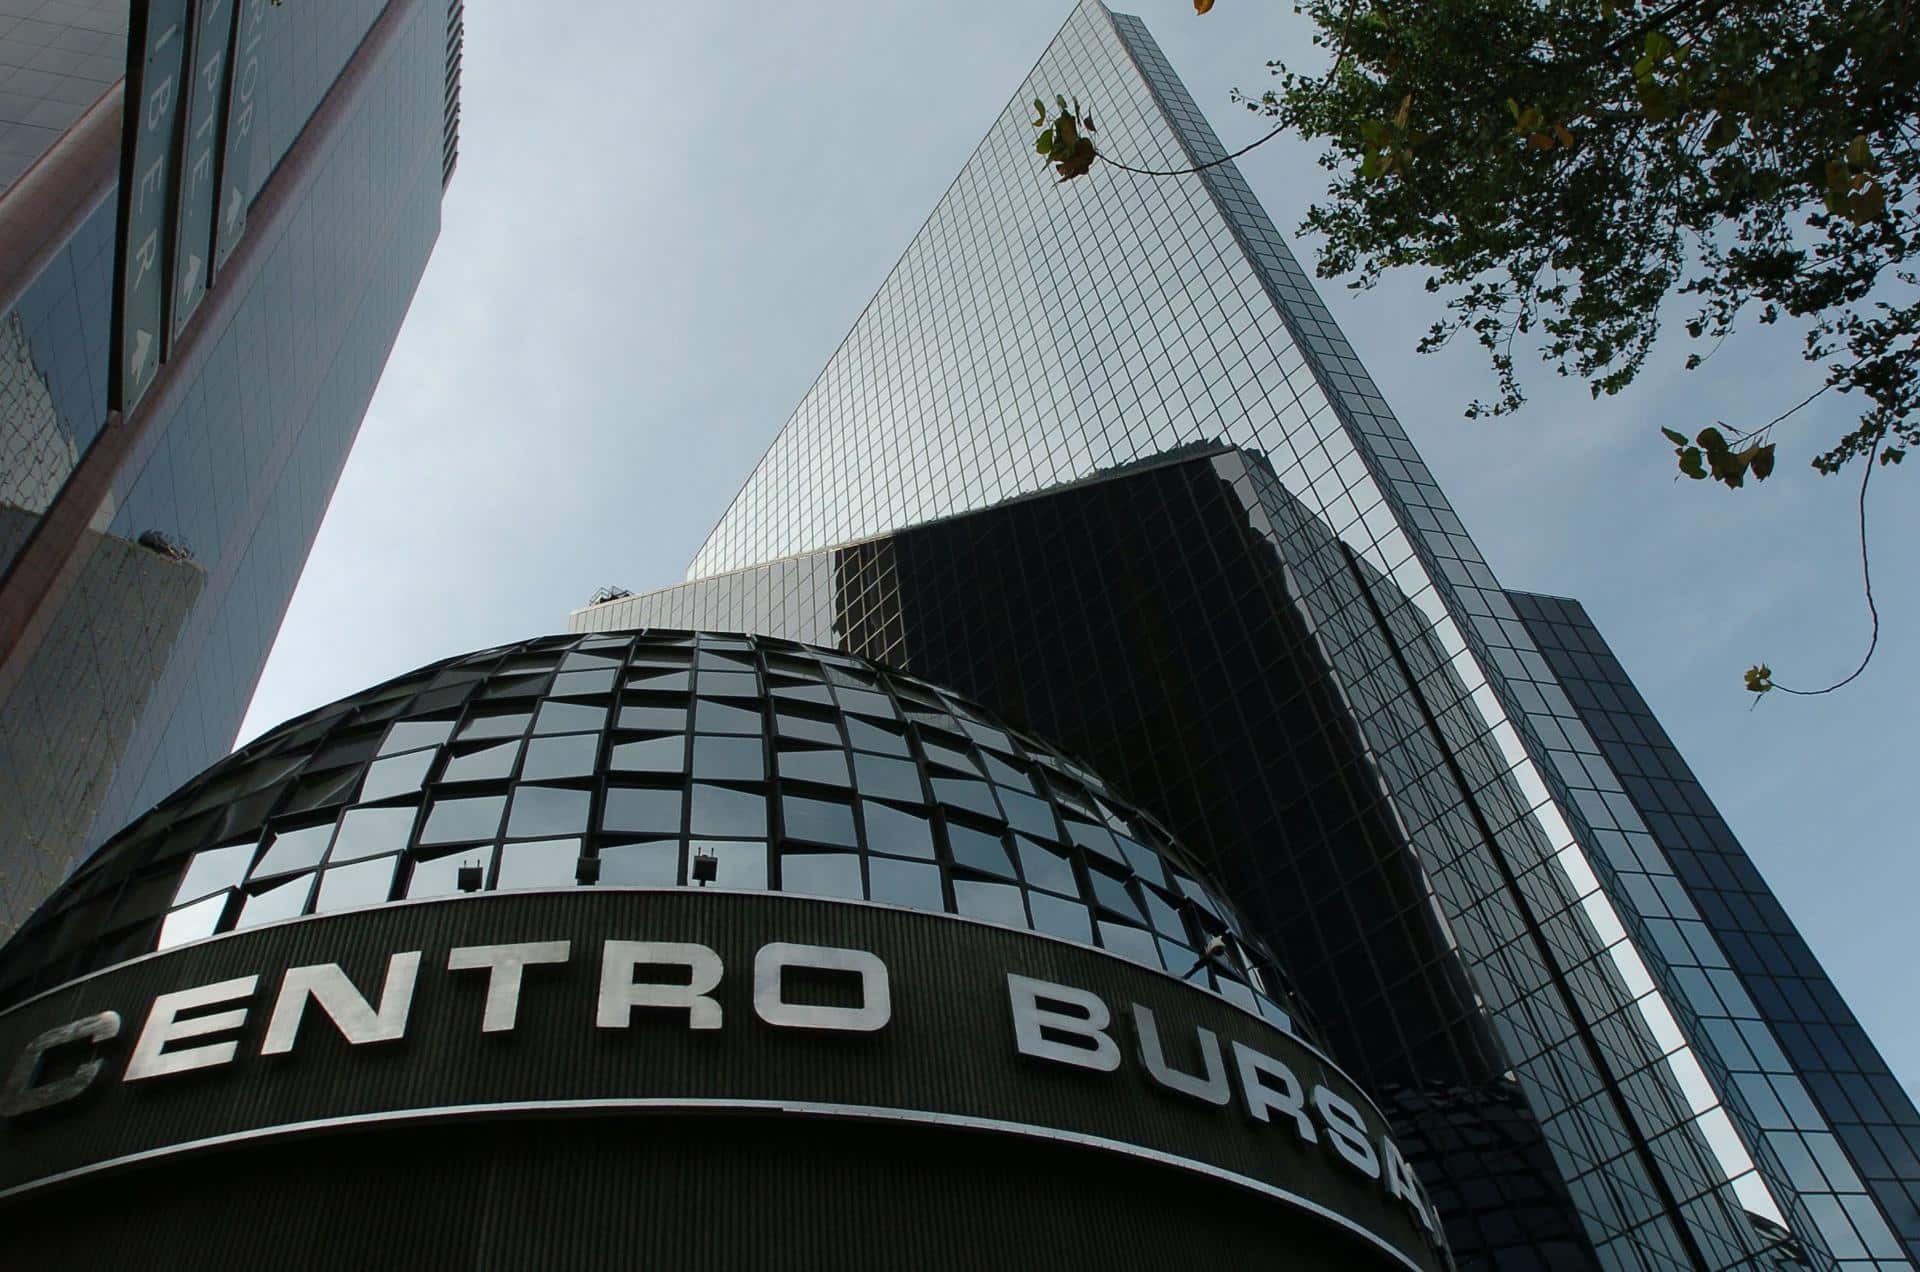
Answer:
(949, 1050)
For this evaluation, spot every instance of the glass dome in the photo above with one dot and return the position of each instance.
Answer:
(651, 759)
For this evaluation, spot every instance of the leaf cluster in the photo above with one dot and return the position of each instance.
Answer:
(1562, 169)
(1066, 142)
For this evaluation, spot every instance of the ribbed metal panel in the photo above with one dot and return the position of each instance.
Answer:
(948, 1051)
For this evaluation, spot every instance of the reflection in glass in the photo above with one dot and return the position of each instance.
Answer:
(728, 684)
(295, 850)
(817, 819)
(405, 735)
(808, 729)
(213, 869)
(908, 883)
(897, 831)
(865, 736)
(958, 792)
(668, 719)
(398, 775)
(1045, 868)
(826, 767)
(366, 831)
(887, 778)
(348, 887)
(822, 874)
(739, 865)
(282, 901)
(641, 808)
(1130, 942)
(440, 877)
(721, 810)
(652, 755)
(577, 683)
(718, 717)
(483, 765)
(1056, 917)
(190, 923)
(548, 810)
(994, 902)
(570, 755)
(568, 717)
(452, 820)
(727, 758)
(979, 851)
(1027, 813)
(544, 863)
(645, 865)
(496, 726)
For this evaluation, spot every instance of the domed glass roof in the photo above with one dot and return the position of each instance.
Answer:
(655, 759)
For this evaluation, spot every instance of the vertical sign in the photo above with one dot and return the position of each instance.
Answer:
(157, 57)
(206, 82)
(243, 100)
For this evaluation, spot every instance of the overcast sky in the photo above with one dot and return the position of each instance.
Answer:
(666, 217)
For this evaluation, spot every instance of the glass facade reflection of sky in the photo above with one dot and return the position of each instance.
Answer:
(1160, 314)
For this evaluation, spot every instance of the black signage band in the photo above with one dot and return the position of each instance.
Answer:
(674, 999)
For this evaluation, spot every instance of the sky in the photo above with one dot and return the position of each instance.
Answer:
(666, 217)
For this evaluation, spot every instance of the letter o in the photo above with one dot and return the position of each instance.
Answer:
(769, 965)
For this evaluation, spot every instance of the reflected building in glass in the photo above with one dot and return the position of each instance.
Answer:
(160, 486)
(1097, 456)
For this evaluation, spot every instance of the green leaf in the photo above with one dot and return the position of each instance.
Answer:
(1675, 436)
(1691, 465)
(1761, 461)
(1859, 154)
(1044, 142)
(1759, 678)
(1712, 439)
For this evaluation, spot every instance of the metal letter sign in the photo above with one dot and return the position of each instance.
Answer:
(243, 100)
(157, 56)
(200, 154)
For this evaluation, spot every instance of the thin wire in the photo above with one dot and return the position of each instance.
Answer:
(1866, 575)
(1181, 172)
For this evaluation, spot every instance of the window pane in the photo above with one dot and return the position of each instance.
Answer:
(1056, 917)
(639, 808)
(1145, 862)
(728, 684)
(1163, 916)
(718, 717)
(366, 831)
(738, 865)
(980, 851)
(348, 887)
(282, 901)
(1045, 868)
(545, 863)
(909, 883)
(671, 719)
(214, 869)
(397, 776)
(650, 865)
(440, 877)
(455, 819)
(405, 735)
(496, 726)
(482, 765)
(190, 923)
(1130, 942)
(548, 810)
(829, 767)
(818, 819)
(957, 792)
(570, 755)
(576, 683)
(994, 902)
(295, 850)
(568, 717)
(887, 778)
(822, 874)
(808, 729)
(721, 810)
(1095, 839)
(652, 755)
(1025, 812)
(1113, 894)
(866, 736)
(867, 702)
(739, 759)
(897, 831)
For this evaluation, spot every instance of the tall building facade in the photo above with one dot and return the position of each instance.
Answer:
(1097, 455)
(213, 215)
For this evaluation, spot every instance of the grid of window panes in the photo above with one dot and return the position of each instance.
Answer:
(1807, 1086)
(191, 557)
(644, 761)
(1157, 312)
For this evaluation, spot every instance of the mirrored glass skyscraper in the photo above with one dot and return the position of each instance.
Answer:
(213, 215)
(1106, 434)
